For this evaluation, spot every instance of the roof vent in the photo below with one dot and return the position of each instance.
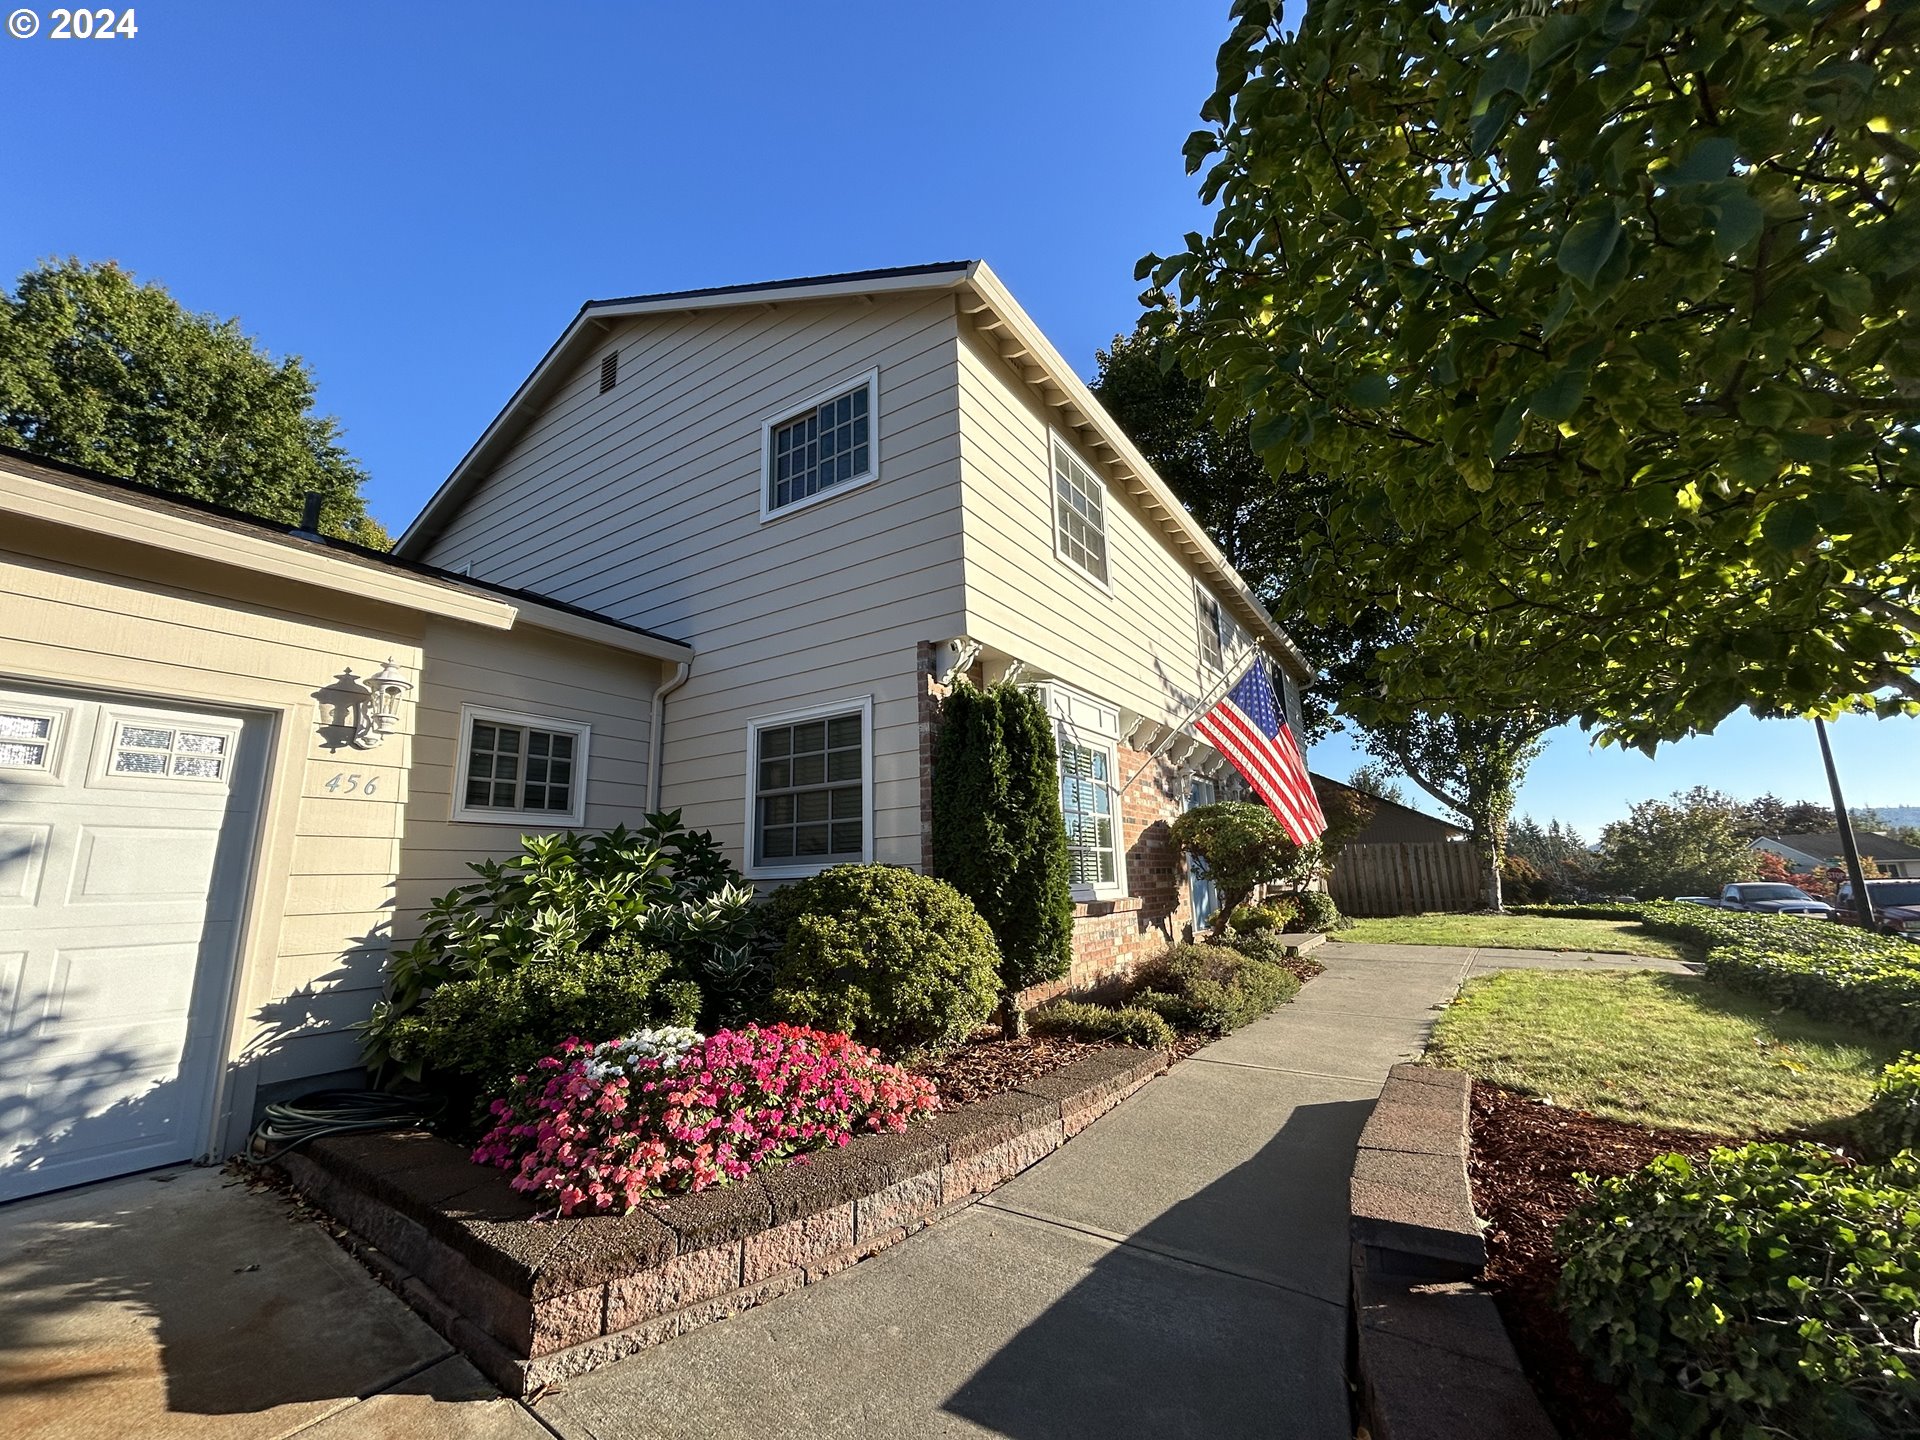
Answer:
(609, 370)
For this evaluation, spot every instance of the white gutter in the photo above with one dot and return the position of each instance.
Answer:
(655, 737)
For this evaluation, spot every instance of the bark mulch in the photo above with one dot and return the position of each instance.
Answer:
(992, 1066)
(1525, 1155)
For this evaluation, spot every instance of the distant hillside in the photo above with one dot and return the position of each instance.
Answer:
(1898, 814)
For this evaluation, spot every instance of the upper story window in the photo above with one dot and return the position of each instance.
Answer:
(518, 767)
(811, 790)
(824, 446)
(1213, 631)
(1079, 512)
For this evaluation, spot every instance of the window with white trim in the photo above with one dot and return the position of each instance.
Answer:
(1079, 512)
(812, 789)
(519, 767)
(826, 445)
(1086, 803)
(146, 748)
(1212, 630)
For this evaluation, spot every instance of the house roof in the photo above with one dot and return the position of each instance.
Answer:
(1394, 823)
(989, 306)
(1825, 845)
(289, 547)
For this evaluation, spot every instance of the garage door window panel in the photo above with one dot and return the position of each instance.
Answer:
(160, 752)
(27, 739)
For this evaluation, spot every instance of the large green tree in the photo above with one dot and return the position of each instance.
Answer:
(1200, 443)
(99, 370)
(1690, 845)
(1598, 317)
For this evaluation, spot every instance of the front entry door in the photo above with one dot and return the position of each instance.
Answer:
(1206, 899)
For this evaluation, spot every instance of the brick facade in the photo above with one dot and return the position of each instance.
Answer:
(1110, 937)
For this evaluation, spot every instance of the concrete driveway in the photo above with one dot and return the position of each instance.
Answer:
(179, 1303)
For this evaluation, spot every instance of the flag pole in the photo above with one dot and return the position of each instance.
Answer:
(1233, 678)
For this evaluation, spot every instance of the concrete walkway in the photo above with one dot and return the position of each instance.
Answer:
(1178, 1269)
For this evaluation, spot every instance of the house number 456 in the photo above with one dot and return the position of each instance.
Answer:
(344, 784)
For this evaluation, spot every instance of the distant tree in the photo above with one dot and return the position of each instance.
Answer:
(101, 371)
(1690, 846)
(1770, 815)
(1376, 779)
(1557, 854)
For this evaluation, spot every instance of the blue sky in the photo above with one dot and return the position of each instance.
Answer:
(416, 197)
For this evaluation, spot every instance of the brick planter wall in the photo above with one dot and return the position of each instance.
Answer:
(532, 1301)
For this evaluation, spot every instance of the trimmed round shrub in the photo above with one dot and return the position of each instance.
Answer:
(894, 959)
(477, 1034)
(1077, 1020)
(1316, 911)
(1768, 1290)
(1891, 1121)
(1212, 988)
(1267, 946)
(1259, 919)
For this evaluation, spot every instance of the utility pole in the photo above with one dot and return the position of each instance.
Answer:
(1862, 902)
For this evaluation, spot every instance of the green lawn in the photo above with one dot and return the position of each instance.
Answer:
(1515, 932)
(1664, 1050)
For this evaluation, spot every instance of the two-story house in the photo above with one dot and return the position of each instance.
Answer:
(722, 552)
(840, 491)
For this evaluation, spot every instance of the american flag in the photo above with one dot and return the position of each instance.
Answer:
(1247, 727)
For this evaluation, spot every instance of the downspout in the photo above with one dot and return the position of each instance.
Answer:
(655, 738)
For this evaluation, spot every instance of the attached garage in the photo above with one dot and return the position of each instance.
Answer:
(205, 851)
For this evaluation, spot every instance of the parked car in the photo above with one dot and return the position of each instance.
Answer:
(1706, 900)
(1896, 905)
(1771, 898)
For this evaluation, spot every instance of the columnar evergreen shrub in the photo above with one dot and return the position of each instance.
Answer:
(897, 960)
(1213, 988)
(1770, 1290)
(998, 834)
(1079, 1020)
(1891, 1121)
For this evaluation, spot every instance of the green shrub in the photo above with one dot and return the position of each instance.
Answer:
(1270, 947)
(1318, 912)
(1769, 1290)
(1212, 988)
(569, 894)
(1833, 971)
(897, 960)
(998, 834)
(1128, 1024)
(1582, 912)
(1259, 919)
(478, 1033)
(1891, 1121)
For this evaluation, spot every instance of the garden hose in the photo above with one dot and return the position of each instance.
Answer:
(340, 1112)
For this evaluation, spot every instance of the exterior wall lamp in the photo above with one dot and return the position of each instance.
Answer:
(375, 704)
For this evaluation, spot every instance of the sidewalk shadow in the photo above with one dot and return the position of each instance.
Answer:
(1151, 1345)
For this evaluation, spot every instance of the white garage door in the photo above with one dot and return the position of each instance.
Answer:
(126, 835)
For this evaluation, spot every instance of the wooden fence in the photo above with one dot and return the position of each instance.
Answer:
(1406, 879)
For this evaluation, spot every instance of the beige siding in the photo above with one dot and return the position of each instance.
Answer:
(644, 504)
(531, 674)
(98, 615)
(1134, 642)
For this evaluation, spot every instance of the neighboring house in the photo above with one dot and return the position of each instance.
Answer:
(199, 867)
(1821, 850)
(838, 491)
(1395, 824)
(783, 517)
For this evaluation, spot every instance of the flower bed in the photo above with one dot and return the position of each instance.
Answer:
(535, 1300)
(599, 1127)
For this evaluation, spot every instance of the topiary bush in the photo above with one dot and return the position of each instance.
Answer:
(1891, 1121)
(473, 1036)
(1769, 1290)
(1078, 1020)
(1212, 988)
(896, 960)
(1317, 912)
